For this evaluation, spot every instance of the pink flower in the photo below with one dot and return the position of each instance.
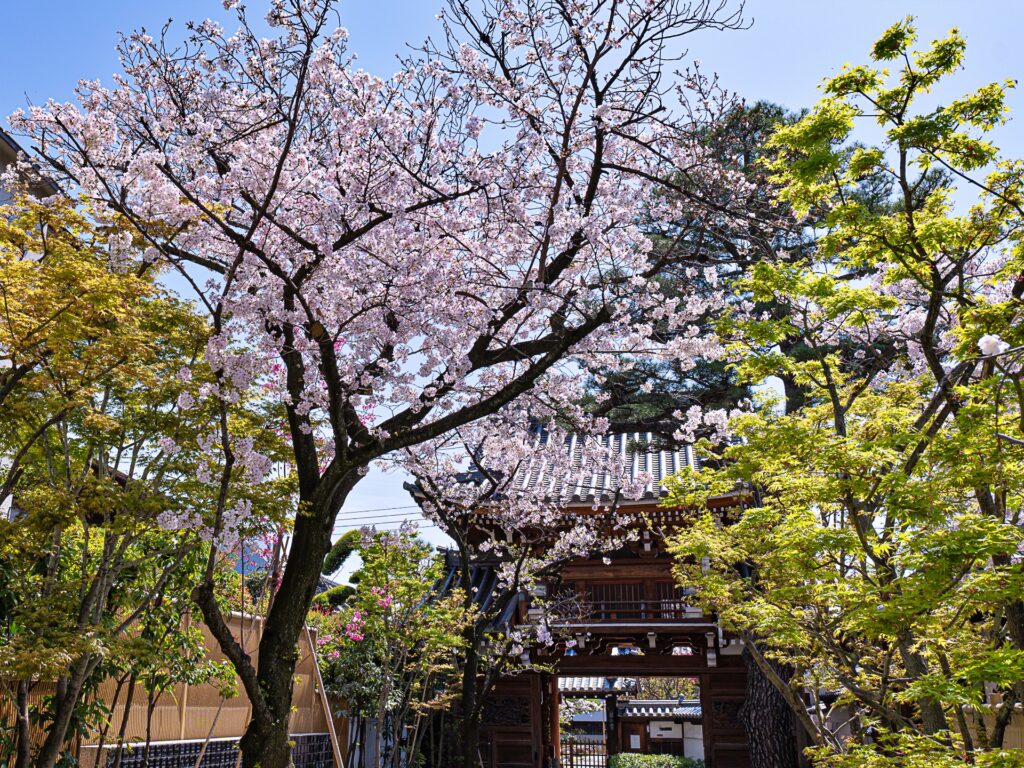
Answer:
(354, 627)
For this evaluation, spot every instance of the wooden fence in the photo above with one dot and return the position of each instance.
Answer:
(195, 712)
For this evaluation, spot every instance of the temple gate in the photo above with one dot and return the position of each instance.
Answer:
(626, 618)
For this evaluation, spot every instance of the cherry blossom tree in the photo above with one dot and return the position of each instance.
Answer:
(393, 259)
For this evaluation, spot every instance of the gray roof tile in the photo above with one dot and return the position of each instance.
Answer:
(640, 456)
(661, 709)
(595, 685)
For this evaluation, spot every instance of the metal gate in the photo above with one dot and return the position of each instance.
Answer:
(584, 751)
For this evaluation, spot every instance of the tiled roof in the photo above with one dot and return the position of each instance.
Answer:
(595, 685)
(483, 584)
(9, 151)
(640, 457)
(661, 709)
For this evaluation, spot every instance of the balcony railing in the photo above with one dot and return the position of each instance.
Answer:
(629, 611)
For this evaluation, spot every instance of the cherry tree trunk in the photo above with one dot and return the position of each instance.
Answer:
(265, 745)
(265, 742)
(768, 719)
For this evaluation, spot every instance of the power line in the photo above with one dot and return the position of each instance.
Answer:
(378, 509)
(356, 522)
(398, 523)
(372, 517)
(395, 517)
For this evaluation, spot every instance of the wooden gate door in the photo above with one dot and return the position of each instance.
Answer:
(584, 751)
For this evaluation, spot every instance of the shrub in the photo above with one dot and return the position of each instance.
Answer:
(653, 761)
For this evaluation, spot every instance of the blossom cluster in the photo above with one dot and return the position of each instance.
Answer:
(390, 259)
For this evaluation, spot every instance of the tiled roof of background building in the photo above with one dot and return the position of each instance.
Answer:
(595, 685)
(483, 585)
(9, 151)
(661, 709)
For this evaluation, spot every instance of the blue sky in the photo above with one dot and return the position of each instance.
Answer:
(46, 46)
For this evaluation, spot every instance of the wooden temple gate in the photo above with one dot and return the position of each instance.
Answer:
(622, 638)
(628, 618)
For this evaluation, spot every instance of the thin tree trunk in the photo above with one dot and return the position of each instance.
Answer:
(355, 739)
(209, 734)
(24, 734)
(150, 706)
(419, 735)
(364, 725)
(124, 720)
(470, 708)
(442, 746)
(1003, 716)
(440, 742)
(961, 719)
(106, 727)
(69, 690)
(385, 724)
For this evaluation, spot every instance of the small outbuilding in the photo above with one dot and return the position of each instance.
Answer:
(661, 727)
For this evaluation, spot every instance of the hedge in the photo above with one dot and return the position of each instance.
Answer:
(627, 760)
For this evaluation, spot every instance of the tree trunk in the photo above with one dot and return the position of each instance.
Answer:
(124, 720)
(265, 742)
(768, 719)
(110, 720)
(266, 745)
(933, 717)
(1003, 716)
(470, 709)
(69, 691)
(440, 757)
(24, 734)
(150, 706)
(796, 396)
(358, 750)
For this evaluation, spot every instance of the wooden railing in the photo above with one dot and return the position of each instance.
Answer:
(628, 611)
(623, 602)
(638, 610)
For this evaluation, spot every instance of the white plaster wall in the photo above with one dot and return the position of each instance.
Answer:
(693, 740)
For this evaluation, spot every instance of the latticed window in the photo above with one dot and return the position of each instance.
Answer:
(616, 601)
(671, 600)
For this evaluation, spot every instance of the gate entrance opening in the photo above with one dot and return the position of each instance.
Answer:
(602, 716)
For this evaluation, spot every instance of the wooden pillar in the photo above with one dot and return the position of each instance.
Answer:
(652, 609)
(611, 722)
(706, 716)
(554, 704)
(536, 706)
